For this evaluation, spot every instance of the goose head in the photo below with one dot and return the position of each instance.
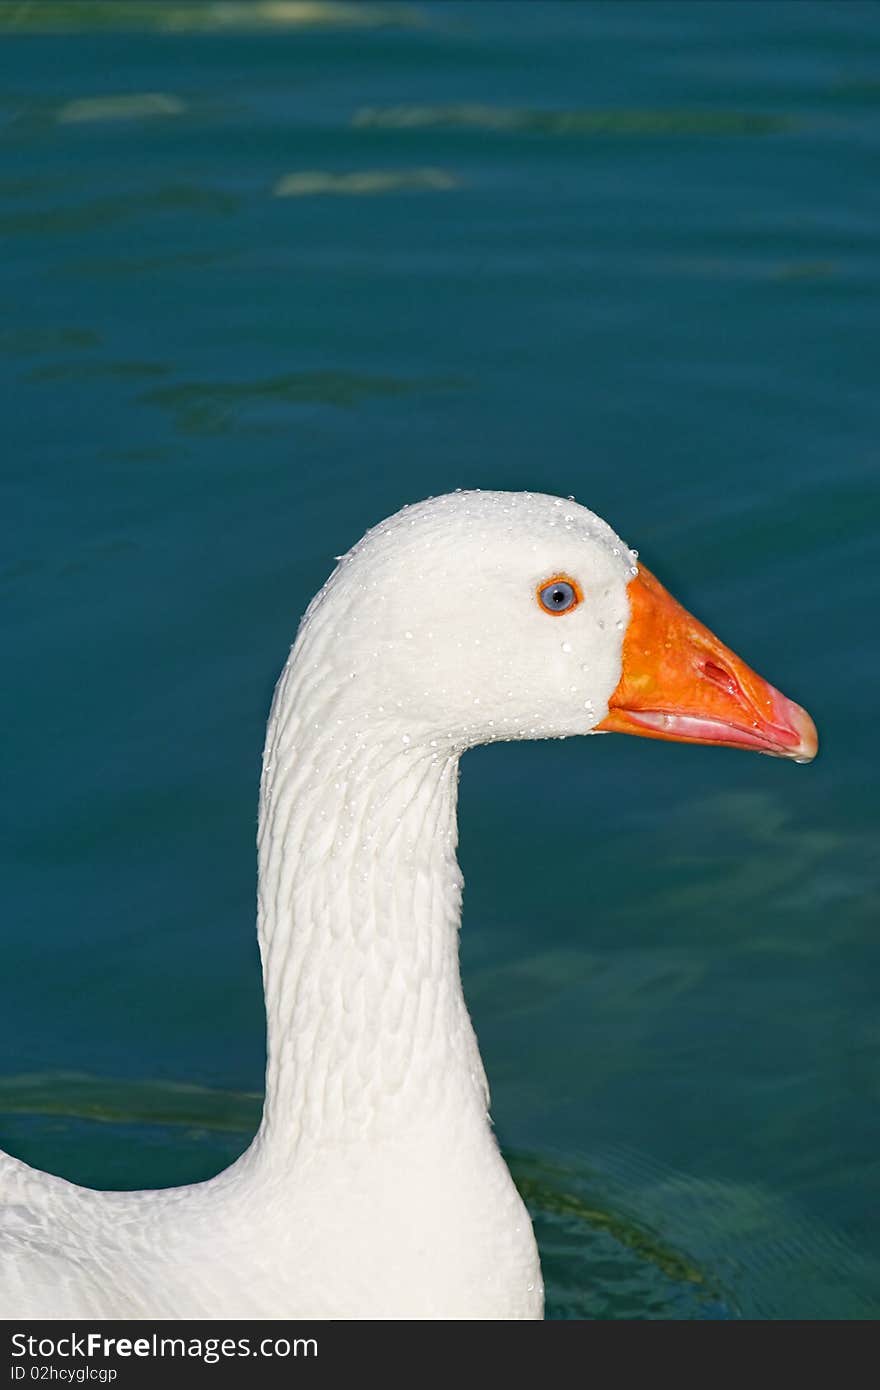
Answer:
(480, 616)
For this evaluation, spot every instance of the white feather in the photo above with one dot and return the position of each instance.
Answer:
(374, 1187)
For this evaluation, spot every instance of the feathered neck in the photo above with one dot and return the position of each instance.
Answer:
(359, 905)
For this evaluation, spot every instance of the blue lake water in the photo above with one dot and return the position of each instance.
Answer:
(270, 271)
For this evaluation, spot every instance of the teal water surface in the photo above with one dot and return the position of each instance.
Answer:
(269, 272)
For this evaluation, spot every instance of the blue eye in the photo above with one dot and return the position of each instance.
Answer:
(559, 595)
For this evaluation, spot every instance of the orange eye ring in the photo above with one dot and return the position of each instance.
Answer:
(558, 595)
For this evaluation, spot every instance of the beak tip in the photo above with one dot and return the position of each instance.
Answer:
(799, 740)
(808, 744)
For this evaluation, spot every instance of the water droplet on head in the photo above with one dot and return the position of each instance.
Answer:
(566, 646)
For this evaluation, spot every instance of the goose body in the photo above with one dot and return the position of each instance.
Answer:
(374, 1187)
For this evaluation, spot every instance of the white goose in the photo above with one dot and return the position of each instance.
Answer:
(374, 1187)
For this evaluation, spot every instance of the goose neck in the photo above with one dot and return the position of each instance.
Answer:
(358, 916)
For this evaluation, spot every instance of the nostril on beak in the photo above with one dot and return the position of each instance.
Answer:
(718, 676)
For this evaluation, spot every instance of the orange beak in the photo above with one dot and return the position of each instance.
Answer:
(679, 682)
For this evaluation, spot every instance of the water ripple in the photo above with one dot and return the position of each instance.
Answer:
(211, 407)
(624, 122)
(169, 16)
(366, 182)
